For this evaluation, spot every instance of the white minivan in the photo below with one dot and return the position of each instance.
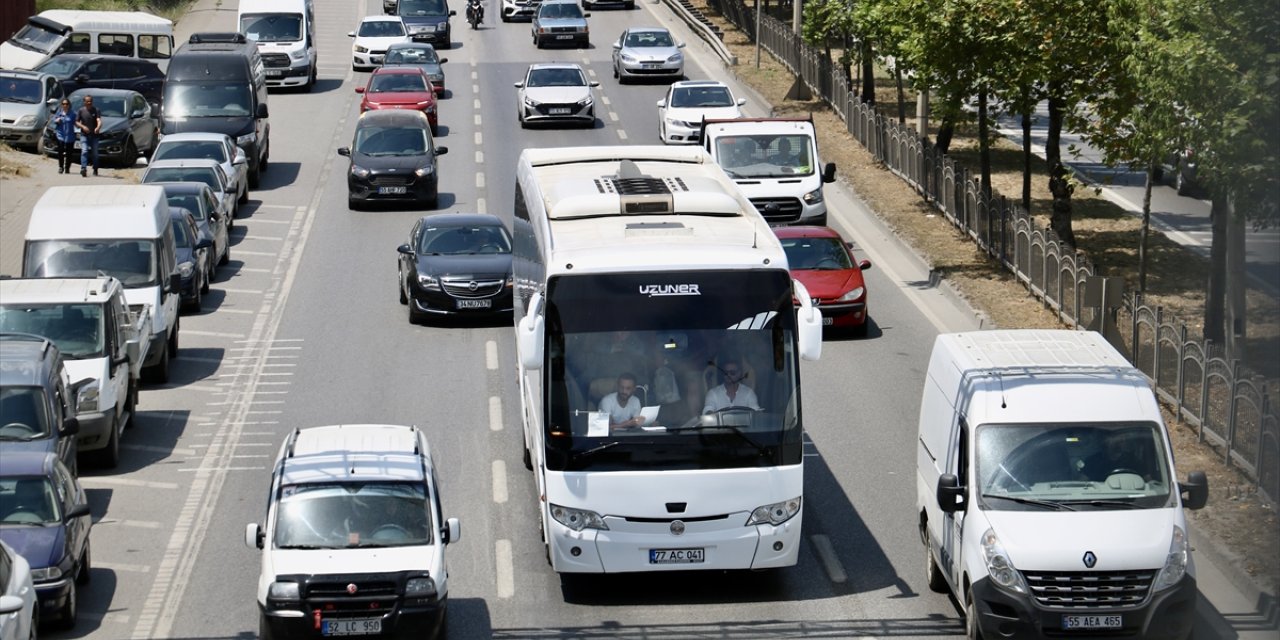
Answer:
(285, 31)
(121, 231)
(135, 34)
(775, 162)
(1046, 491)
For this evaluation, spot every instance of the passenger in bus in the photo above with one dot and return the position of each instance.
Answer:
(730, 392)
(622, 405)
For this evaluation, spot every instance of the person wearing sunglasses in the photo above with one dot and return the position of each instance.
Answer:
(64, 133)
(730, 392)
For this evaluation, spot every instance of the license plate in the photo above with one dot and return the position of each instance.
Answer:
(1084, 623)
(387, 191)
(677, 556)
(475, 304)
(275, 73)
(559, 111)
(353, 627)
(652, 65)
(565, 37)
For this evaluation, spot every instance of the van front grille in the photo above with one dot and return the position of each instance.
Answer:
(1089, 589)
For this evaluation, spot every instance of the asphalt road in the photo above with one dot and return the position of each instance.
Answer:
(303, 328)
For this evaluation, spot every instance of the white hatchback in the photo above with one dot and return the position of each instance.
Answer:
(17, 597)
(372, 38)
(681, 113)
(209, 146)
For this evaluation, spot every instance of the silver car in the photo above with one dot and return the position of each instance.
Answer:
(421, 55)
(26, 100)
(647, 52)
(209, 146)
(555, 91)
(560, 22)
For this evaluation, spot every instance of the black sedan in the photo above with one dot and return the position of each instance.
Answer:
(456, 264)
(129, 128)
(193, 249)
(393, 158)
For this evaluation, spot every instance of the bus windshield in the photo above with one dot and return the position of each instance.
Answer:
(693, 370)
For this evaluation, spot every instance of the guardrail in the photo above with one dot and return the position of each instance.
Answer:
(703, 28)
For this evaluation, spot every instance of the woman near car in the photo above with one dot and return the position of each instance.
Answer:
(64, 122)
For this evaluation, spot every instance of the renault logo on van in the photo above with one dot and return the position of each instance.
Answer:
(1090, 559)
(652, 290)
(677, 528)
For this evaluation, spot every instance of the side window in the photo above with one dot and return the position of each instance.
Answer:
(154, 47)
(962, 450)
(52, 89)
(116, 44)
(127, 71)
(100, 70)
(6, 567)
(167, 253)
(76, 43)
(65, 495)
(209, 205)
(139, 104)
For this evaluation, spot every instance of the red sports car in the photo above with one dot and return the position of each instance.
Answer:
(400, 88)
(824, 263)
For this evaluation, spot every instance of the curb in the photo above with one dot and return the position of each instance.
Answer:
(1224, 560)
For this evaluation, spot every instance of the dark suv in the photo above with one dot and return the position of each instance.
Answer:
(427, 21)
(95, 71)
(37, 401)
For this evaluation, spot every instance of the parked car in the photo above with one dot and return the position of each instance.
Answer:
(427, 21)
(555, 91)
(647, 52)
(372, 38)
(400, 88)
(209, 146)
(129, 126)
(824, 263)
(422, 56)
(211, 220)
(19, 613)
(37, 400)
(456, 264)
(44, 516)
(560, 22)
(195, 261)
(393, 158)
(207, 172)
(98, 71)
(27, 98)
(688, 103)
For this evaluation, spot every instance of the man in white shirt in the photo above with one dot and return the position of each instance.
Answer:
(622, 405)
(732, 393)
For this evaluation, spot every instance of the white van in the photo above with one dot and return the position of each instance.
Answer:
(285, 31)
(135, 34)
(776, 164)
(1046, 491)
(122, 231)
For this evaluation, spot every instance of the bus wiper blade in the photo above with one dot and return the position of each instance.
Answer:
(763, 450)
(594, 450)
(1103, 503)
(1047, 504)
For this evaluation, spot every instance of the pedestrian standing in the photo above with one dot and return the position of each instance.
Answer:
(89, 121)
(64, 131)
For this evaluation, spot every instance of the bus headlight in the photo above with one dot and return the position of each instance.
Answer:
(1175, 566)
(776, 513)
(1001, 570)
(577, 519)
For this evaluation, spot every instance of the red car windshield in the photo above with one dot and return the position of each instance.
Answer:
(397, 83)
(816, 254)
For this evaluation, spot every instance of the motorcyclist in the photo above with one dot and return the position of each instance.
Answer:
(478, 8)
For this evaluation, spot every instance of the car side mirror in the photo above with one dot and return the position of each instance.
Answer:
(518, 85)
(829, 172)
(254, 536)
(11, 604)
(351, 34)
(951, 496)
(442, 150)
(452, 531)
(741, 101)
(586, 15)
(70, 426)
(359, 89)
(262, 111)
(79, 511)
(240, 157)
(662, 103)
(204, 243)
(443, 60)
(452, 12)
(344, 151)
(404, 249)
(617, 46)
(864, 265)
(175, 282)
(680, 46)
(594, 83)
(1197, 489)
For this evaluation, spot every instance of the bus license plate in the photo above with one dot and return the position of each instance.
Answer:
(353, 627)
(475, 304)
(392, 190)
(677, 556)
(1087, 623)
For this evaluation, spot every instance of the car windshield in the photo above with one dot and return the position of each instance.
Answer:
(411, 55)
(182, 174)
(23, 413)
(191, 150)
(421, 8)
(36, 38)
(1117, 465)
(272, 27)
(28, 500)
(816, 254)
(190, 202)
(133, 262)
(694, 97)
(559, 10)
(763, 156)
(181, 237)
(649, 39)
(452, 240)
(76, 328)
(59, 67)
(397, 83)
(20, 90)
(381, 29)
(341, 515)
(108, 106)
(189, 100)
(392, 141)
(555, 78)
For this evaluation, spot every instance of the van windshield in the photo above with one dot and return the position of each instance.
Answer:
(134, 262)
(200, 100)
(765, 156)
(339, 515)
(421, 8)
(272, 27)
(36, 38)
(21, 91)
(75, 328)
(1102, 466)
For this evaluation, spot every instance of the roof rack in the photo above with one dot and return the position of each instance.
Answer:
(226, 37)
(17, 336)
(293, 439)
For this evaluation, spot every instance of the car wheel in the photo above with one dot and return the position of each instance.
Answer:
(130, 156)
(204, 281)
(264, 628)
(434, 200)
(506, 18)
(631, 6)
(415, 317)
(972, 631)
(353, 204)
(528, 459)
(1180, 183)
(860, 331)
(255, 177)
(244, 196)
(435, 130)
(537, 43)
(197, 302)
(937, 582)
(108, 457)
(158, 372)
(400, 284)
(67, 617)
(226, 257)
(131, 406)
(86, 564)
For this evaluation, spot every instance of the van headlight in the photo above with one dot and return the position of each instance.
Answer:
(248, 138)
(1175, 566)
(577, 519)
(441, 26)
(419, 588)
(298, 54)
(999, 567)
(813, 197)
(28, 120)
(88, 396)
(774, 514)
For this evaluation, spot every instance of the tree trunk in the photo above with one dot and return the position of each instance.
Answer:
(1059, 177)
(868, 73)
(902, 93)
(945, 131)
(1026, 162)
(1146, 225)
(984, 144)
(1237, 282)
(1215, 293)
(845, 60)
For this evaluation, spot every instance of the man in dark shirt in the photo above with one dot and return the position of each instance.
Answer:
(89, 123)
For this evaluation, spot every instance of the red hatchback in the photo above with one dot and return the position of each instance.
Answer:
(823, 262)
(400, 88)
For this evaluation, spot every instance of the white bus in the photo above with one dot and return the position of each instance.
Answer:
(648, 263)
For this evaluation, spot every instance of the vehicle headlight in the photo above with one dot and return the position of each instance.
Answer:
(442, 26)
(248, 138)
(676, 57)
(298, 54)
(46, 574)
(428, 282)
(429, 106)
(359, 171)
(813, 197)
(688, 124)
(359, 49)
(584, 102)
(25, 121)
(511, 281)
(419, 588)
(185, 269)
(852, 295)
(1001, 570)
(424, 171)
(284, 591)
(437, 78)
(530, 102)
(577, 519)
(88, 396)
(1175, 566)
(626, 57)
(776, 513)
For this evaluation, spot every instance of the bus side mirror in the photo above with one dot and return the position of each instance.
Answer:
(808, 324)
(951, 496)
(1196, 489)
(529, 336)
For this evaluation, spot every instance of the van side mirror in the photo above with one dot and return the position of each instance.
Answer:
(442, 150)
(70, 426)
(452, 531)
(829, 172)
(808, 323)
(262, 111)
(204, 243)
(79, 511)
(254, 536)
(1196, 488)
(951, 496)
(529, 335)
(175, 283)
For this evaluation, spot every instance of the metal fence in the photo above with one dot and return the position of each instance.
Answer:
(1225, 403)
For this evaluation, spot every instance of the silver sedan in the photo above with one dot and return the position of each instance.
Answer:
(647, 52)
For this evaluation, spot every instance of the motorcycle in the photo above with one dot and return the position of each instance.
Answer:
(475, 14)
